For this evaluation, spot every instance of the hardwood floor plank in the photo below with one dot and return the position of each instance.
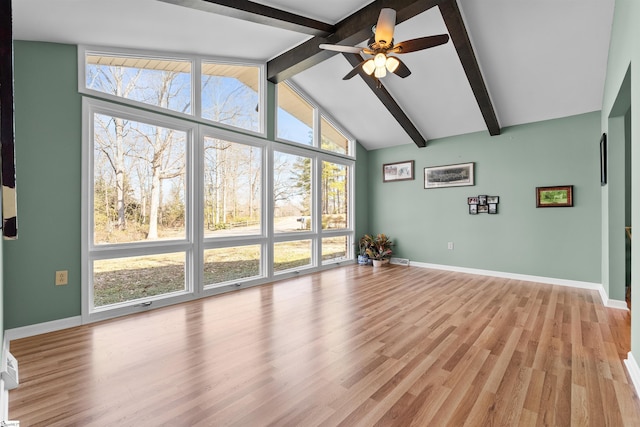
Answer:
(393, 346)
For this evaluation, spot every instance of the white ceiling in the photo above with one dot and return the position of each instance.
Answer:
(540, 59)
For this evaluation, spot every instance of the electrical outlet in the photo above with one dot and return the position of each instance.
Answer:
(450, 245)
(62, 277)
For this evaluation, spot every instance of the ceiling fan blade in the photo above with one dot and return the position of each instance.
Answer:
(340, 48)
(385, 26)
(402, 70)
(354, 71)
(420, 43)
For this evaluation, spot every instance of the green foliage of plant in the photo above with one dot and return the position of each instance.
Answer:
(378, 247)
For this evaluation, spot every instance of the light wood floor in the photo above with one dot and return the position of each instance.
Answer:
(350, 346)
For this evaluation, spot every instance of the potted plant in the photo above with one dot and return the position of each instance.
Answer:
(364, 243)
(380, 249)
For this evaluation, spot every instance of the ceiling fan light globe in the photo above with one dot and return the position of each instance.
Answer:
(379, 60)
(392, 64)
(369, 67)
(380, 72)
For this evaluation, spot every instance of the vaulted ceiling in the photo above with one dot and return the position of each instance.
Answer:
(508, 61)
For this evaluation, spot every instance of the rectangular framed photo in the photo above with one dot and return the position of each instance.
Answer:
(473, 209)
(482, 200)
(483, 208)
(472, 200)
(493, 200)
(603, 159)
(449, 175)
(493, 208)
(560, 196)
(400, 171)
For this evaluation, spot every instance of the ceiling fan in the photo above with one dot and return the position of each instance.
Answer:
(381, 45)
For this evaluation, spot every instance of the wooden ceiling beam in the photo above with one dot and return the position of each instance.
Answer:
(387, 100)
(261, 14)
(458, 32)
(350, 31)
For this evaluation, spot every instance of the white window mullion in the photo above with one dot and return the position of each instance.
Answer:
(268, 212)
(316, 185)
(196, 200)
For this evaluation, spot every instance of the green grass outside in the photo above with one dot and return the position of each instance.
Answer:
(128, 279)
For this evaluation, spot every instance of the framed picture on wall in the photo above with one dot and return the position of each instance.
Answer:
(400, 171)
(559, 196)
(449, 175)
(603, 159)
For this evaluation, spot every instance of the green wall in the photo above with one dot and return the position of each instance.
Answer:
(48, 118)
(362, 193)
(561, 243)
(621, 92)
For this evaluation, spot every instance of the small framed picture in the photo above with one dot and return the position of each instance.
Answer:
(482, 200)
(473, 209)
(472, 200)
(493, 200)
(483, 208)
(400, 171)
(559, 196)
(493, 208)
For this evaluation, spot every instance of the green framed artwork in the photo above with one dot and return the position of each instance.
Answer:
(559, 196)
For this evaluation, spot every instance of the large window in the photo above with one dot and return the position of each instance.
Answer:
(177, 208)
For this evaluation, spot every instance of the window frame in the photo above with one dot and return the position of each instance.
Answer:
(194, 243)
(91, 251)
(348, 231)
(196, 83)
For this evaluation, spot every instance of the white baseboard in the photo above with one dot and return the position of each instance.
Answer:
(634, 371)
(41, 328)
(614, 303)
(538, 279)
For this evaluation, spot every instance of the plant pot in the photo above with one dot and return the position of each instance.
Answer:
(363, 260)
(377, 262)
